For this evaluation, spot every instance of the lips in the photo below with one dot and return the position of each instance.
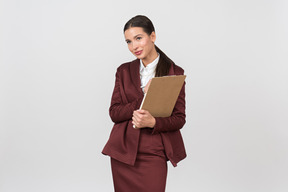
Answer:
(138, 52)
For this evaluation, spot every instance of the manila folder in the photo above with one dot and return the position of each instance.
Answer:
(162, 95)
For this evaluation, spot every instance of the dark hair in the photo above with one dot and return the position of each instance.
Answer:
(146, 24)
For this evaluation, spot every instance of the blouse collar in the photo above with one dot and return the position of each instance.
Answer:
(151, 66)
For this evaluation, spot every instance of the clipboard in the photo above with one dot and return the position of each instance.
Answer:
(162, 95)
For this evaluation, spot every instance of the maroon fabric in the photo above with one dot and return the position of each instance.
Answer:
(149, 172)
(127, 96)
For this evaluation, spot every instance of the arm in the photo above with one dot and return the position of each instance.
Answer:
(177, 119)
(122, 110)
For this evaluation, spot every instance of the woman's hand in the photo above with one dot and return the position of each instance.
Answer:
(142, 118)
(147, 86)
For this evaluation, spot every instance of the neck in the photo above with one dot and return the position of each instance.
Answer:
(151, 57)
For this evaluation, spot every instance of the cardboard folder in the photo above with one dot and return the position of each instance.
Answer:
(162, 95)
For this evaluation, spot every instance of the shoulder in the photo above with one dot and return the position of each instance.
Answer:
(127, 65)
(178, 70)
(124, 66)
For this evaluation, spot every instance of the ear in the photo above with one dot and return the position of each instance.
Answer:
(153, 36)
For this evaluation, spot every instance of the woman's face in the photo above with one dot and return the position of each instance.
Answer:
(141, 44)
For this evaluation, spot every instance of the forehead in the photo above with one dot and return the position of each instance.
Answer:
(134, 31)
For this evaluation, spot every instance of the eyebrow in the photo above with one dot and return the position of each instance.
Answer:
(137, 35)
(134, 36)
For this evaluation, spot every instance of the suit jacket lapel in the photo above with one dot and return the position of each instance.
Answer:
(135, 75)
(171, 70)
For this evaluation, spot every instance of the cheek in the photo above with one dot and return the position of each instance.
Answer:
(130, 48)
(144, 44)
(149, 46)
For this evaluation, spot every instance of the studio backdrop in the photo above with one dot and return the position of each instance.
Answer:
(57, 71)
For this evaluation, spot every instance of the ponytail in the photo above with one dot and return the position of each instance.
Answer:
(163, 65)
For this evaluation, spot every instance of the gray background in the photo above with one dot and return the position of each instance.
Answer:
(58, 61)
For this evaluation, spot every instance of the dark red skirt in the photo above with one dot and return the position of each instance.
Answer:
(150, 170)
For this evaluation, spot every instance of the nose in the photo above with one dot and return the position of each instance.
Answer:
(134, 45)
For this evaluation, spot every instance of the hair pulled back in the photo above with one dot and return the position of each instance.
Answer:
(146, 24)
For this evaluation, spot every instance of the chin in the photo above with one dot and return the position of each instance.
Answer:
(139, 56)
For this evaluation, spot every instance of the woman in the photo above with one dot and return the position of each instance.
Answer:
(139, 155)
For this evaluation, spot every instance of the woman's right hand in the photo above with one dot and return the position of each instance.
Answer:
(143, 119)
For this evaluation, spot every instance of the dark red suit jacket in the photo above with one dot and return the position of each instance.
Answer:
(127, 96)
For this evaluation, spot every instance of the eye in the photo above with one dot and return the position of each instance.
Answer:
(128, 42)
(138, 38)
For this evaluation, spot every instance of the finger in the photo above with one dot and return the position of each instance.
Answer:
(138, 122)
(149, 82)
(141, 111)
(143, 114)
(146, 114)
(134, 125)
(139, 116)
(134, 120)
(136, 116)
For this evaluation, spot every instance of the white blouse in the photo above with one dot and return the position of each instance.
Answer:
(148, 72)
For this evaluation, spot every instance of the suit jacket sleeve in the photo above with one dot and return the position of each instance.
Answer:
(120, 109)
(178, 117)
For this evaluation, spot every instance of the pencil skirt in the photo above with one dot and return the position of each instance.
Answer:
(149, 172)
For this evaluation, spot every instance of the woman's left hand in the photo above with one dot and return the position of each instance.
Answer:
(142, 118)
(147, 86)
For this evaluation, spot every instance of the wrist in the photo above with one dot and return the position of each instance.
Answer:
(153, 122)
